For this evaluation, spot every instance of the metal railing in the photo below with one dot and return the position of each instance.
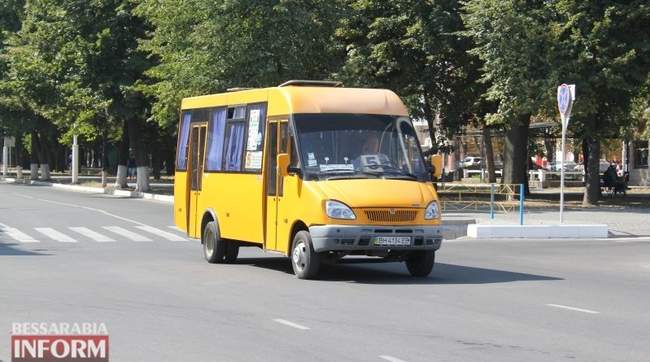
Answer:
(493, 197)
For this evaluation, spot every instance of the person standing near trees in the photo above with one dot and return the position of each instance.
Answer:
(131, 166)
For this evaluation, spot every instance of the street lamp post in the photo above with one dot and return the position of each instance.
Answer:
(75, 160)
(5, 159)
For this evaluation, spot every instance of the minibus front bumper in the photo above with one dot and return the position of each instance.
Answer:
(372, 237)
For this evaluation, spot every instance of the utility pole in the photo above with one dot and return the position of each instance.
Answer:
(5, 158)
(75, 160)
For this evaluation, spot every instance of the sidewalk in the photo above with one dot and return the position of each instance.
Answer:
(622, 221)
(95, 187)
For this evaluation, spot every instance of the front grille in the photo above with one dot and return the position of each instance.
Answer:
(382, 215)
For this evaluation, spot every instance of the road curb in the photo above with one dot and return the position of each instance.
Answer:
(557, 231)
(98, 190)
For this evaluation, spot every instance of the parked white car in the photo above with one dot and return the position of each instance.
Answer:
(471, 162)
(568, 166)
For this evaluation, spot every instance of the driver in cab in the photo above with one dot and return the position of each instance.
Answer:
(369, 156)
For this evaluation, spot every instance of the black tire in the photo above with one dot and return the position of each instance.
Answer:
(304, 260)
(214, 248)
(420, 263)
(232, 251)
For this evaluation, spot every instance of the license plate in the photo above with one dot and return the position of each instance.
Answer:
(391, 240)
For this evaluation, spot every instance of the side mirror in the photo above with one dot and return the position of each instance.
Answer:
(436, 164)
(292, 170)
(283, 164)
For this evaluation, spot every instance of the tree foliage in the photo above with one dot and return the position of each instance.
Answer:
(209, 46)
(414, 48)
(75, 63)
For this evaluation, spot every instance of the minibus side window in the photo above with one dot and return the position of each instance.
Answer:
(271, 159)
(216, 131)
(255, 137)
(295, 160)
(195, 157)
(284, 148)
(183, 137)
(234, 144)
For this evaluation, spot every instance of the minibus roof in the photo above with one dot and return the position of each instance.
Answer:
(308, 99)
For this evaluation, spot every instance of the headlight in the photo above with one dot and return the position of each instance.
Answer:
(432, 211)
(339, 210)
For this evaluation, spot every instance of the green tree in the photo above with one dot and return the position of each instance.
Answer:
(603, 47)
(414, 48)
(76, 63)
(208, 46)
(512, 40)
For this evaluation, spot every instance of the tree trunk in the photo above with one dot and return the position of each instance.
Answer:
(137, 144)
(156, 160)
(515, 165)
(170, 163)
(44, 156)
(34, 154)
(549, 146)
(122, 158)
(592, 172)
(489, 154)
(429, 117)
(104, 161)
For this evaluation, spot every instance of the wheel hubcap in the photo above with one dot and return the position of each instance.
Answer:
(299, 256)
(209, 244)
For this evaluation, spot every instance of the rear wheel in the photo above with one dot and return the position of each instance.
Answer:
(420, 263)
(232, 251)
(214, 248)
(304, 260)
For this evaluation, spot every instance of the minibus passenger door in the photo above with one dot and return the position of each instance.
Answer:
(197, 147)
(282, 222)
(277, 144)
(271, 185)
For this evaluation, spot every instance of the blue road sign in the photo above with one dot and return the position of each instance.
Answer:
(563, 99)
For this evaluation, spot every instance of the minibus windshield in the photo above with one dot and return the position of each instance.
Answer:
(334, 146)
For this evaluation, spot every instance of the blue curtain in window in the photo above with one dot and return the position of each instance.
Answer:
(235, 146)
(184, 133)
(215, 140)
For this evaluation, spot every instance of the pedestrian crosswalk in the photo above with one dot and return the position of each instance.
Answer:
(127, 233)
(79, 234)
(55, 235)
(92, 235)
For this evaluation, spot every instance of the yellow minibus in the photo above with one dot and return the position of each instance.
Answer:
(308, 169)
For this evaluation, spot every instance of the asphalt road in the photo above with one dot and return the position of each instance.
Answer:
(487, 300)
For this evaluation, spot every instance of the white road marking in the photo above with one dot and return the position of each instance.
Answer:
(291, 324)
(55, 235)
(17, 234)
(91, 234)
(161, 233)
(90, 209)
(390, 358)
(126, 233)
(573, 308)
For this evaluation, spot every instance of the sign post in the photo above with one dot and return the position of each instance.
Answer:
(566, 94)
(8, 142)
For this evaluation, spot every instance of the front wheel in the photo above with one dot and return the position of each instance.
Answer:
(214, 247)
(304, 260)
(420, 263)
